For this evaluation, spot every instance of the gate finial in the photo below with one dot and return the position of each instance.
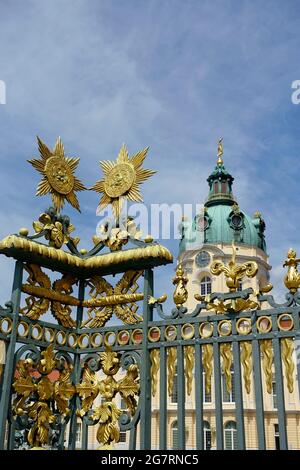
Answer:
(58, 175)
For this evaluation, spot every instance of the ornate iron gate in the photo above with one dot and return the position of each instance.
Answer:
(58, 376)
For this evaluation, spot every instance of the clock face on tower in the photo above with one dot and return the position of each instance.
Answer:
(203, 259)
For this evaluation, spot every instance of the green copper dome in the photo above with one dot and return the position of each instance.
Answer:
(222, 220)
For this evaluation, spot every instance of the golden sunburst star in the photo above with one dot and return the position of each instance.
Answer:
(122, 179)
(58, 175)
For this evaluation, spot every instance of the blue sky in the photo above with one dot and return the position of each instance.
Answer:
(174, 75)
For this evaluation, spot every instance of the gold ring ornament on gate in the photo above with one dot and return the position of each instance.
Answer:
(137, 336)
(72, 340)
(123, 337)
(243, 326)
(8, 322)
(187, 331)
(171, 333)
(25, 327)
(264, 324)
(37, 328)
(96, 340)
(285, 322)
(61, 338)
(110, 338)
(224, 328)
(51, 334)
(154, 334)
(81, 340)
(206, 329)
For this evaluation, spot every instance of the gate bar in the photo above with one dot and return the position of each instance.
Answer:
(238, 388)
(8, 374)
(163, 397)
(280, 395)
(145, 423)
(259, 404)
(218, 395)
(199, 396)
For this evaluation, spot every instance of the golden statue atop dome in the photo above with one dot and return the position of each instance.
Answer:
(220, 152)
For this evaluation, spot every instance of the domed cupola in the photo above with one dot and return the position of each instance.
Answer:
(220, 183)
(221, 220)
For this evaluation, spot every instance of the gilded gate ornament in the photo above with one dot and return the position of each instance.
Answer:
(171, 366)
(117, 298)
(292, 278)
(234, 272)
(37, 397)
(267, 361)
(35, 308)
(108, 413)
(154, 358)
(189, 363)
(180, 295)
(55, 228)
(287, 348)
(226, 355)
(246, 360)
(207, 362)
(121, 180)
(58, 177)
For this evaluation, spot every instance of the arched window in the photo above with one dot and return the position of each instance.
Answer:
(174, 428)
(240, 286)
(230, 436)
(207, 435)
(205, 285)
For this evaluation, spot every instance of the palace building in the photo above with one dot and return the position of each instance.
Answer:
(210, 237)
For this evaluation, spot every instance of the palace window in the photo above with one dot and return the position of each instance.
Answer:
(230, 436)
(206, 396)
(78, 433)
(174, 395)
(174, 435)
(122, 436)
(240, 286)
(207, 435)
(276, 437)
(228, 397)
(274, 394)
(205, 285)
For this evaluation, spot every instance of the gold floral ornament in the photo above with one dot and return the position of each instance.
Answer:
(115, 238)
(121, 180)
(180, 295)
(58, 175)
(108, 413)
(58, 232)
(292, 278)
(234, 272)
(39, 397)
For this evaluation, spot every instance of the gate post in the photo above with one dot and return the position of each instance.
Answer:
(8, 374)
(75, 402)
(145, 422)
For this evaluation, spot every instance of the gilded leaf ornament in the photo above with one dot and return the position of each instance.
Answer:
(234, 272)
(108, 413)
(38, 396)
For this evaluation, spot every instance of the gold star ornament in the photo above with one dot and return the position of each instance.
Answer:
(58, 175)
(122, 179)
